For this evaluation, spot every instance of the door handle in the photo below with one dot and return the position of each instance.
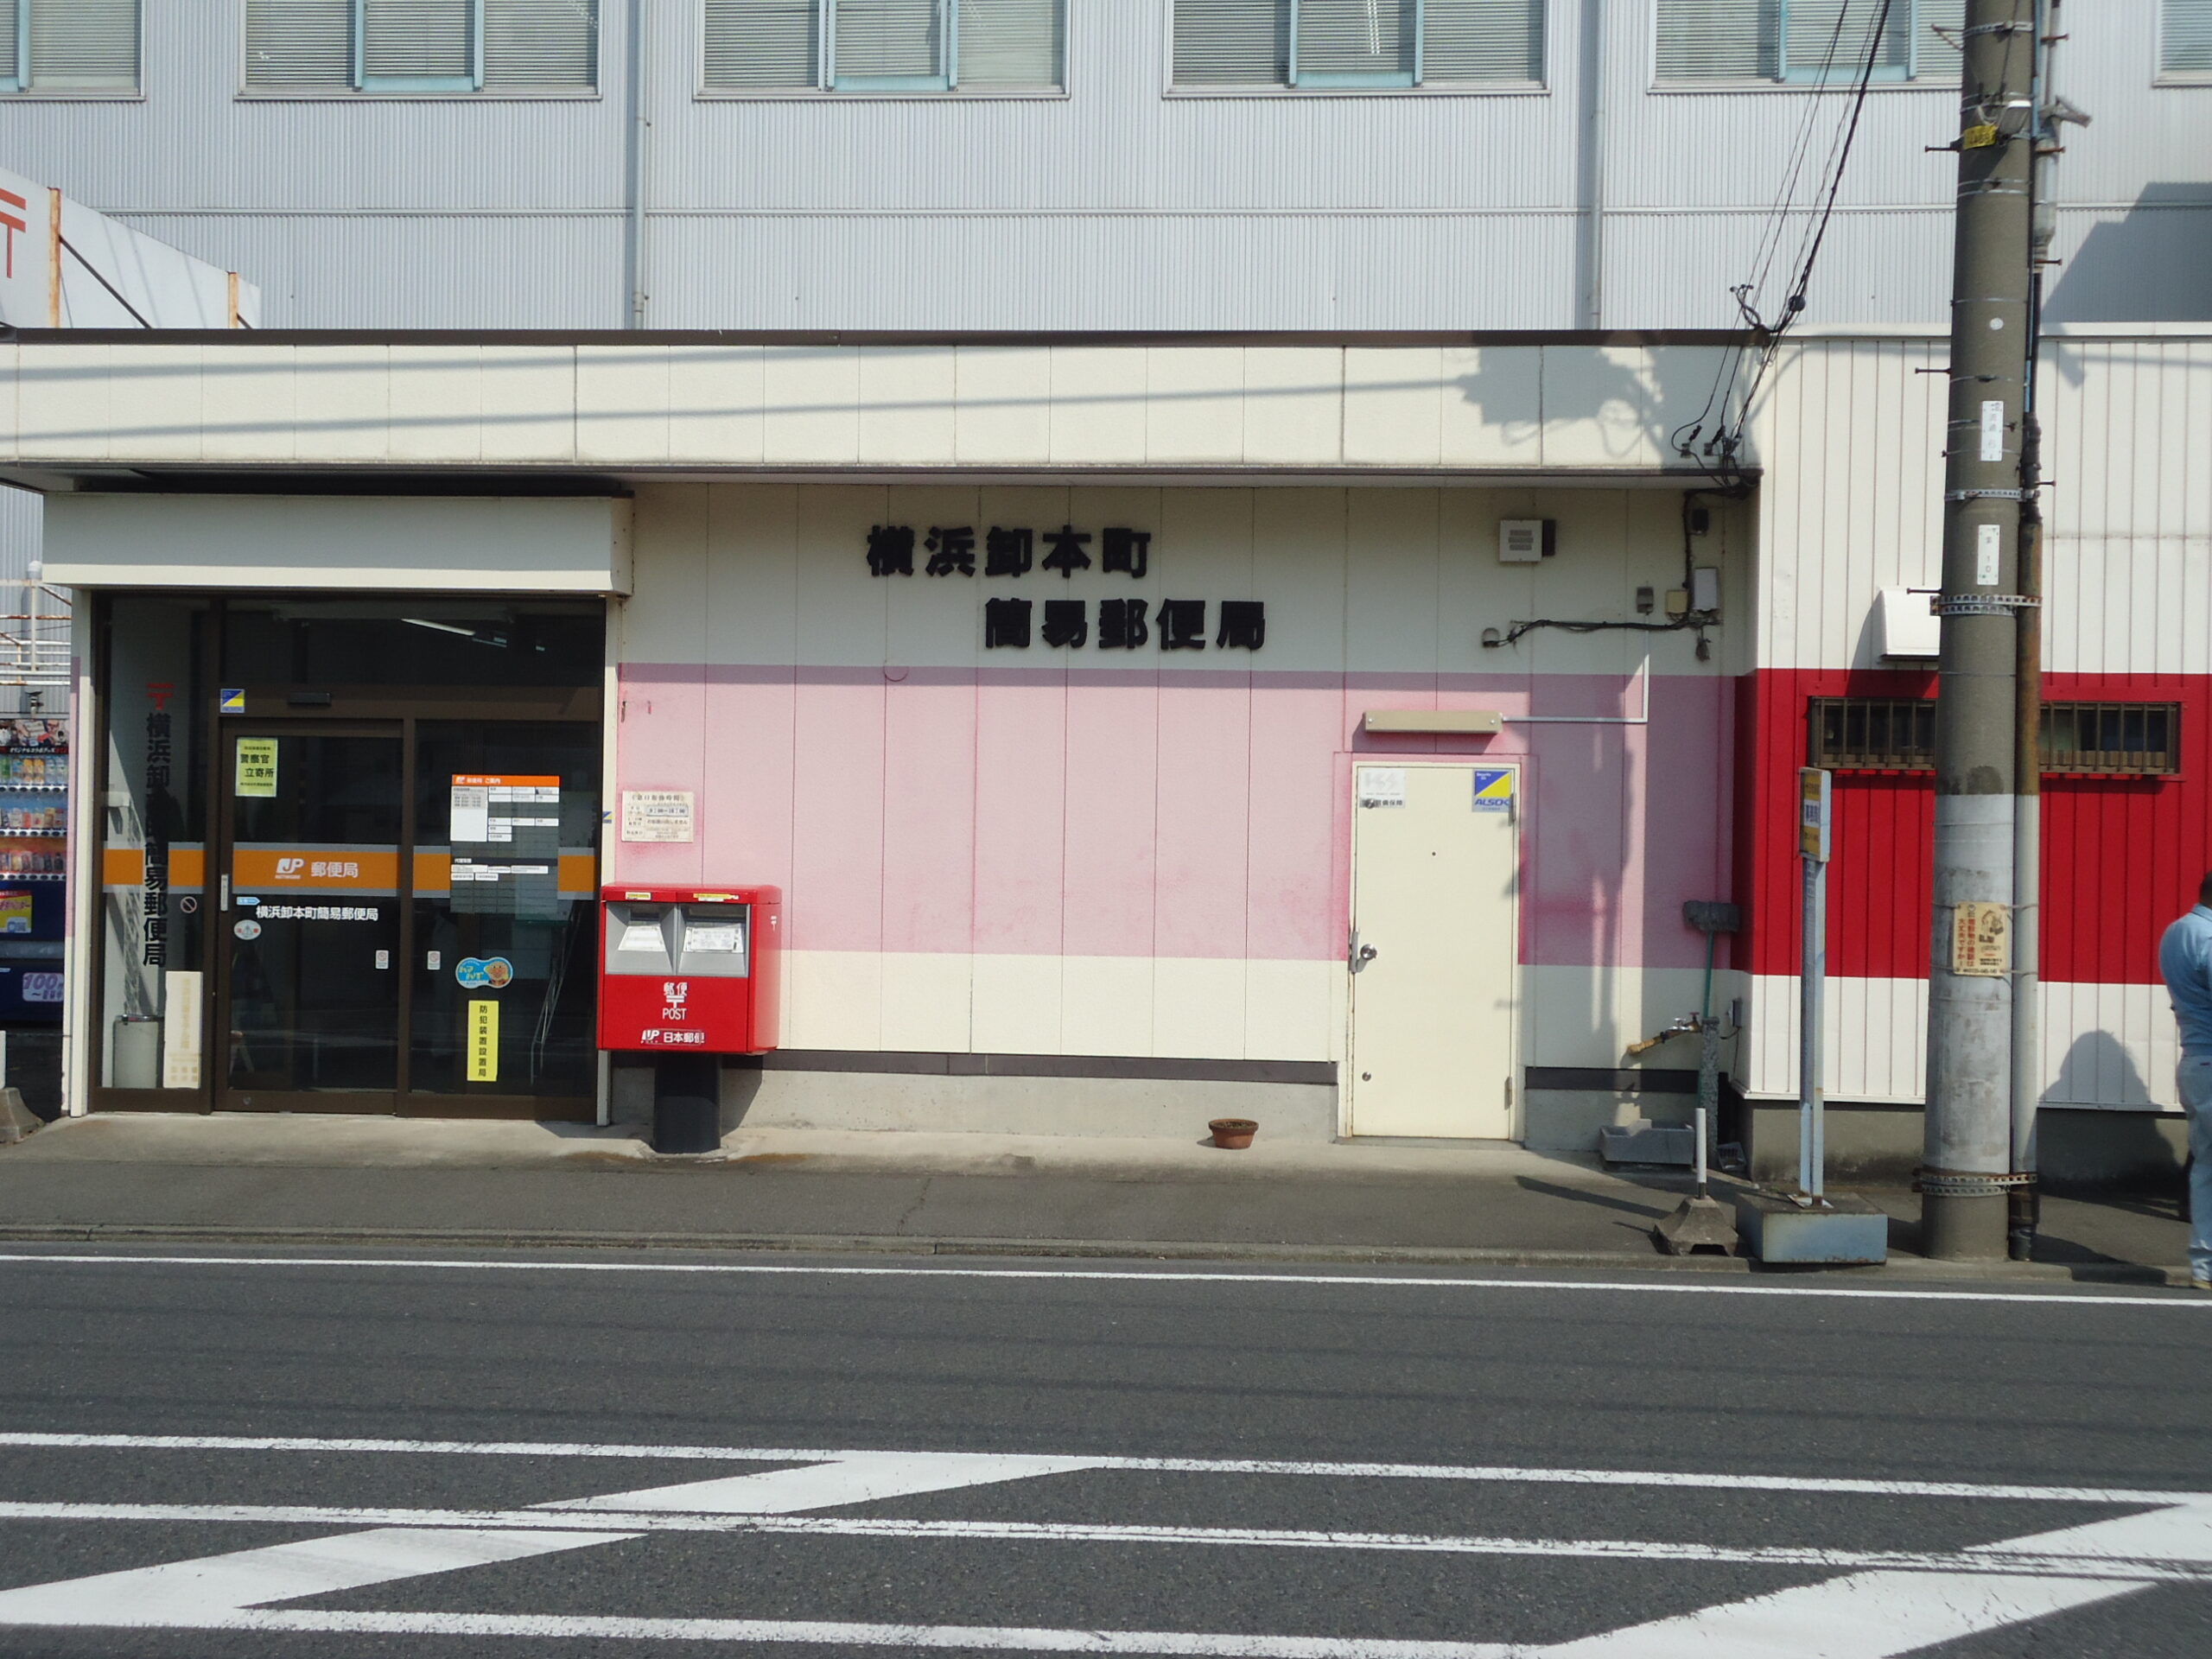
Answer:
(1360, 955)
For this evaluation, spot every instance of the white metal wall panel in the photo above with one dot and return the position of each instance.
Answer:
(1115, 207)
(1850, 432)
(2113, 1046)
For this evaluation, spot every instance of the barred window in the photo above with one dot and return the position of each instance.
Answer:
(2110, 740)
(2185, 37)
(1811, 42)
(69, 46)
(421, 46)
(1347, 45)
(884, 46)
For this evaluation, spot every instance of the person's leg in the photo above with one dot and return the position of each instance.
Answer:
(2196, 1080)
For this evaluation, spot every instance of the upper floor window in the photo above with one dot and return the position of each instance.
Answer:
(421, 46)
(2185, 37)
(1337, 45)
(884, 46)
(1809, 42)
(69, 46)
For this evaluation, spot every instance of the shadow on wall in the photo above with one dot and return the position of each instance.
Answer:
(2149, 265)
(2128, 1144)
(1520, 391)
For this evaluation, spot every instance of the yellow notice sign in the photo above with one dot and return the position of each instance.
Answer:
(483, 1042)
(1981, 939)
(258, 767)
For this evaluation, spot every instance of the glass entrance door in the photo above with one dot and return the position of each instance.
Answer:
(311, 948)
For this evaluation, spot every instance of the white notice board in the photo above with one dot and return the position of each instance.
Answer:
(657, 814)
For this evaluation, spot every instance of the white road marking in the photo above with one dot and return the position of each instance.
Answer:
(189, 1592)
(1656, 1285)
(990, 1638)
(1878, 1615)
(2161, 1566)
(856, 1478)
(1497, 1473)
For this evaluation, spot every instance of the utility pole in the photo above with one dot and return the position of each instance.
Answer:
(1968, 1158)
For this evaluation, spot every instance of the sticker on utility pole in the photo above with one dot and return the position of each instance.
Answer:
(1813, 814)
(1988, 555)
(484, 1042)
(1493, 789)
(1382, 786)
(657, 814)
(1993, 430)
(258, 768)
(1981, 939)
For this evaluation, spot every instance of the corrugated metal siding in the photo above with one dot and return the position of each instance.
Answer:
(1115, 175)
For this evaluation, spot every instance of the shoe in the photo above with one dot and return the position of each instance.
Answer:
(2200, 1284)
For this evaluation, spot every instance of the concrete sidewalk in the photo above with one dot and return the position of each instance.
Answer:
(302, 1180)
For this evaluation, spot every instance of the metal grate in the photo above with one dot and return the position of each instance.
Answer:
(2126, 739)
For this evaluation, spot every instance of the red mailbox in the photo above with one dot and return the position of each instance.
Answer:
(688, 970)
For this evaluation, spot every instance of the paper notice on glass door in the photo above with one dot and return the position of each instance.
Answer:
(258, 768)
(484, 1042)
(181, 1029)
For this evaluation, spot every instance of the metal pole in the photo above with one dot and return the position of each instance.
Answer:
(633, 229)
(1969, 1144)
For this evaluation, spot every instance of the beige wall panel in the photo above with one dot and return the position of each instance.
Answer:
(1287, 1010)
(810, 399)
(932, 621)
(1392, 411)
(1578, 1015)
(1492, 408)
(1194, 408)
(1607, 407)
(530, 403)
(160, 404)
(437, 406)
(622, 397)
(343, 394)
(1391, 622)
(10, 396)
(715, 394)
(752, 573)
(1017, 1005)
(1298, 567)
(1608, 545)
(1004, 416)
(842, 614)
(926, 1002)
(1204, 552)
(1294, 406)
(248, 407)
(833, 999)
(665, 621)
(1098, 404)
(1106, 1005)
(1198, 1008)
(907, 402)
(65, 402)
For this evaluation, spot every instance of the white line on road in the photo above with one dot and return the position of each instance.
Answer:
(984, 1638)
(1656, 1284)
(570, 1522)
(1505, 1473)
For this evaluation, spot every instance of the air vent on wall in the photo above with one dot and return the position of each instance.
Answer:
(1524, 541)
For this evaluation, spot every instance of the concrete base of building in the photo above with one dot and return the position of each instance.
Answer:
(1124, 1108)
(1881, 1145)
(1567, 1119)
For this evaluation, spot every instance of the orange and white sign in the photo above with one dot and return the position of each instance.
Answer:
(262, 868)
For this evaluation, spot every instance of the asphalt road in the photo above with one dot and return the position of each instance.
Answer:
(603, 1454)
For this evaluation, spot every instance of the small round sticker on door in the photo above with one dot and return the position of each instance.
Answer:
(248, 929)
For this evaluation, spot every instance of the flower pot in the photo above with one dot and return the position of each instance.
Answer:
(1233, 1133)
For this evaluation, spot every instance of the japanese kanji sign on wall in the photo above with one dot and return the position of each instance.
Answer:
(1013, 620)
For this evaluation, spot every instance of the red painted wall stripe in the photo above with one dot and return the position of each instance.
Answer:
(2122, 857)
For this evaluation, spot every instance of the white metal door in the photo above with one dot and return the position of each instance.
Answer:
(1434, 946)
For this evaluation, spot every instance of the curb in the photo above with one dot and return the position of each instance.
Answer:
(1069, 1249)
